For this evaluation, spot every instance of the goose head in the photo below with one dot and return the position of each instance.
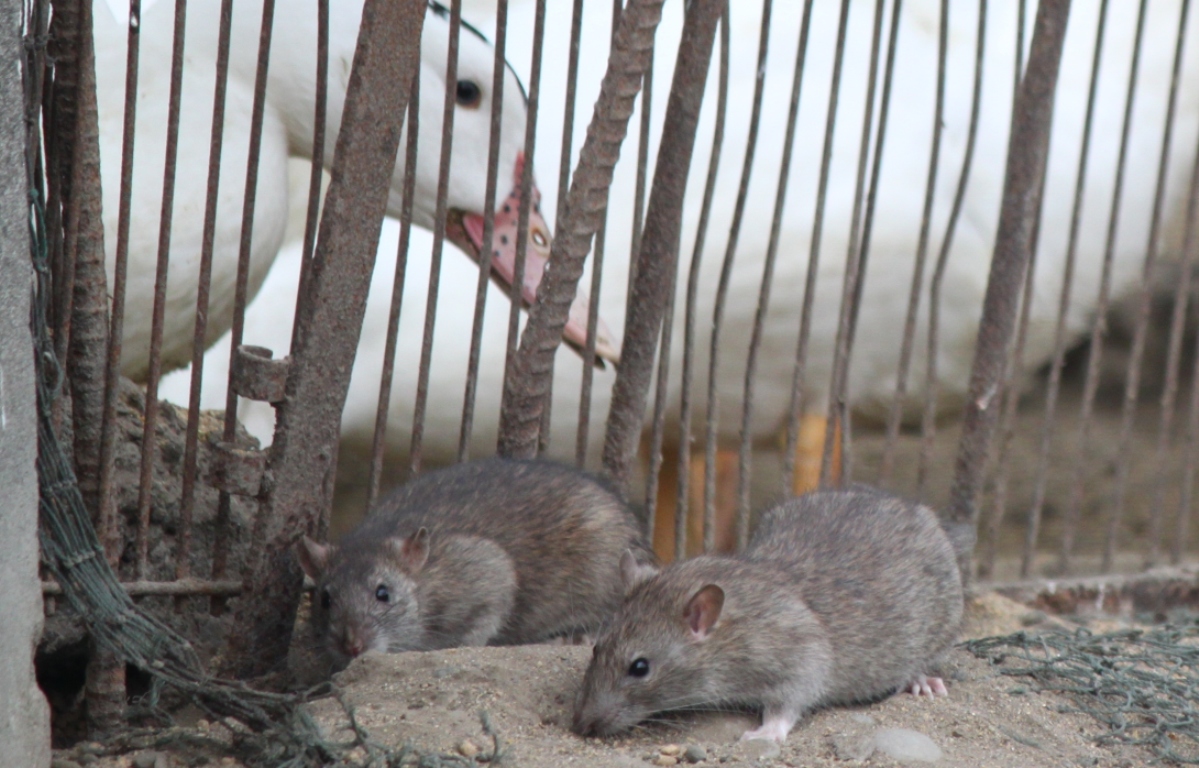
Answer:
(466, 183)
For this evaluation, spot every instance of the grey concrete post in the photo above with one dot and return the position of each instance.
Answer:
(24, 716)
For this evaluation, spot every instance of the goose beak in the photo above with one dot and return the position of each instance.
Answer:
(466, 231)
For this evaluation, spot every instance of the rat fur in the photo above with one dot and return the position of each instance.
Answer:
(842, 596)
(487, 552)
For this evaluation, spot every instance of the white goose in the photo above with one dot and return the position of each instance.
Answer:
(287, 130)
(893, 245)
(896, 226)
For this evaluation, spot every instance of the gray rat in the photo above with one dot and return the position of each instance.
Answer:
(842, 596)
(493, 551)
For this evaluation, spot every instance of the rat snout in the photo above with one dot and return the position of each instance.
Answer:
(353, 642)
(598, 716)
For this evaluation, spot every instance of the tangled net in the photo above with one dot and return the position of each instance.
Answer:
(1142, 684)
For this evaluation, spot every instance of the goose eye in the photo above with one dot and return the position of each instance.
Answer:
(326, 599)
(381, 594)
(639, 668)
(469, 93)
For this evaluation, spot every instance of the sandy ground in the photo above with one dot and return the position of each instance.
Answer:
(433, 702)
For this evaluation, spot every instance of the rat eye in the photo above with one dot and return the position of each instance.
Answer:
(639, 667)
(326, 598)
(469, 93)
(381, 594)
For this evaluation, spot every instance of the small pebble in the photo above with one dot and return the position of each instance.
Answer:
(145, 760)
(467, 748)
(757, 749)
(666, 760)
(695, 754)
(849, 746)
(907, 745)
(671, 750)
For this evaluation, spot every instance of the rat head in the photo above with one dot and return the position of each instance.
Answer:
(654, 653)
(365, 597)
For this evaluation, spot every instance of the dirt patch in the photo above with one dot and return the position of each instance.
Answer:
(435, 703)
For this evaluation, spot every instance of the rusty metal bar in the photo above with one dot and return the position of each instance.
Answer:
(1169, 395)
(798, 377)
(1133, 380)
(583, 431)
(858, 251)
(928, 428)
(1189, 245)
(75, 125)
(192, 436)
(916, 290)
(179, 588)
(712, 415)
(1099, 327)
(776, 225)
(320, 117)
(1028, 148)
(499, 69)
(407, 200)
(522, 239)
(987, 564)
(302, 460)
(657, 258)
(150, 431)
(1182, 526)
(108, 527)
(684, 463)
(416, 452)
(241, 290)
(527, 378)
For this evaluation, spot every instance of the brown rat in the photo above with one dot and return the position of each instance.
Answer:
(842, 596)
(494, 551)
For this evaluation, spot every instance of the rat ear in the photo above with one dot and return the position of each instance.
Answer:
(412, 552)
(313, 557)
(633, 573)
(703, 610)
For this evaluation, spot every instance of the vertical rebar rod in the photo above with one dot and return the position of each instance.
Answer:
(688, 373)
(320, 117)
(416, 451)
(1133, 379)
(858, 253)
(107, 525)
(149, 427)
(1169, 396)
(895, 414)
(204, 283)
(1028, 149)
(527, 377)
(1053, 386)
(303, 457)
(1099, 325)
(712, 414)
(776, 226)
(499, 71)
(928, 427)
(408, 196)
(799, 374)
(657, 259)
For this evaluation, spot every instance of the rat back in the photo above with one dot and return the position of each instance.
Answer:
(878, 572)
(563, 529)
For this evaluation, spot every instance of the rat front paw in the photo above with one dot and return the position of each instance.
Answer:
(924, 685)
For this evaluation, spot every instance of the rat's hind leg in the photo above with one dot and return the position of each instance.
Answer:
(775, 726)
(923, 685)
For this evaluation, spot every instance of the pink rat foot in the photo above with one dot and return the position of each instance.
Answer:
(773, 728)
(924, 685)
